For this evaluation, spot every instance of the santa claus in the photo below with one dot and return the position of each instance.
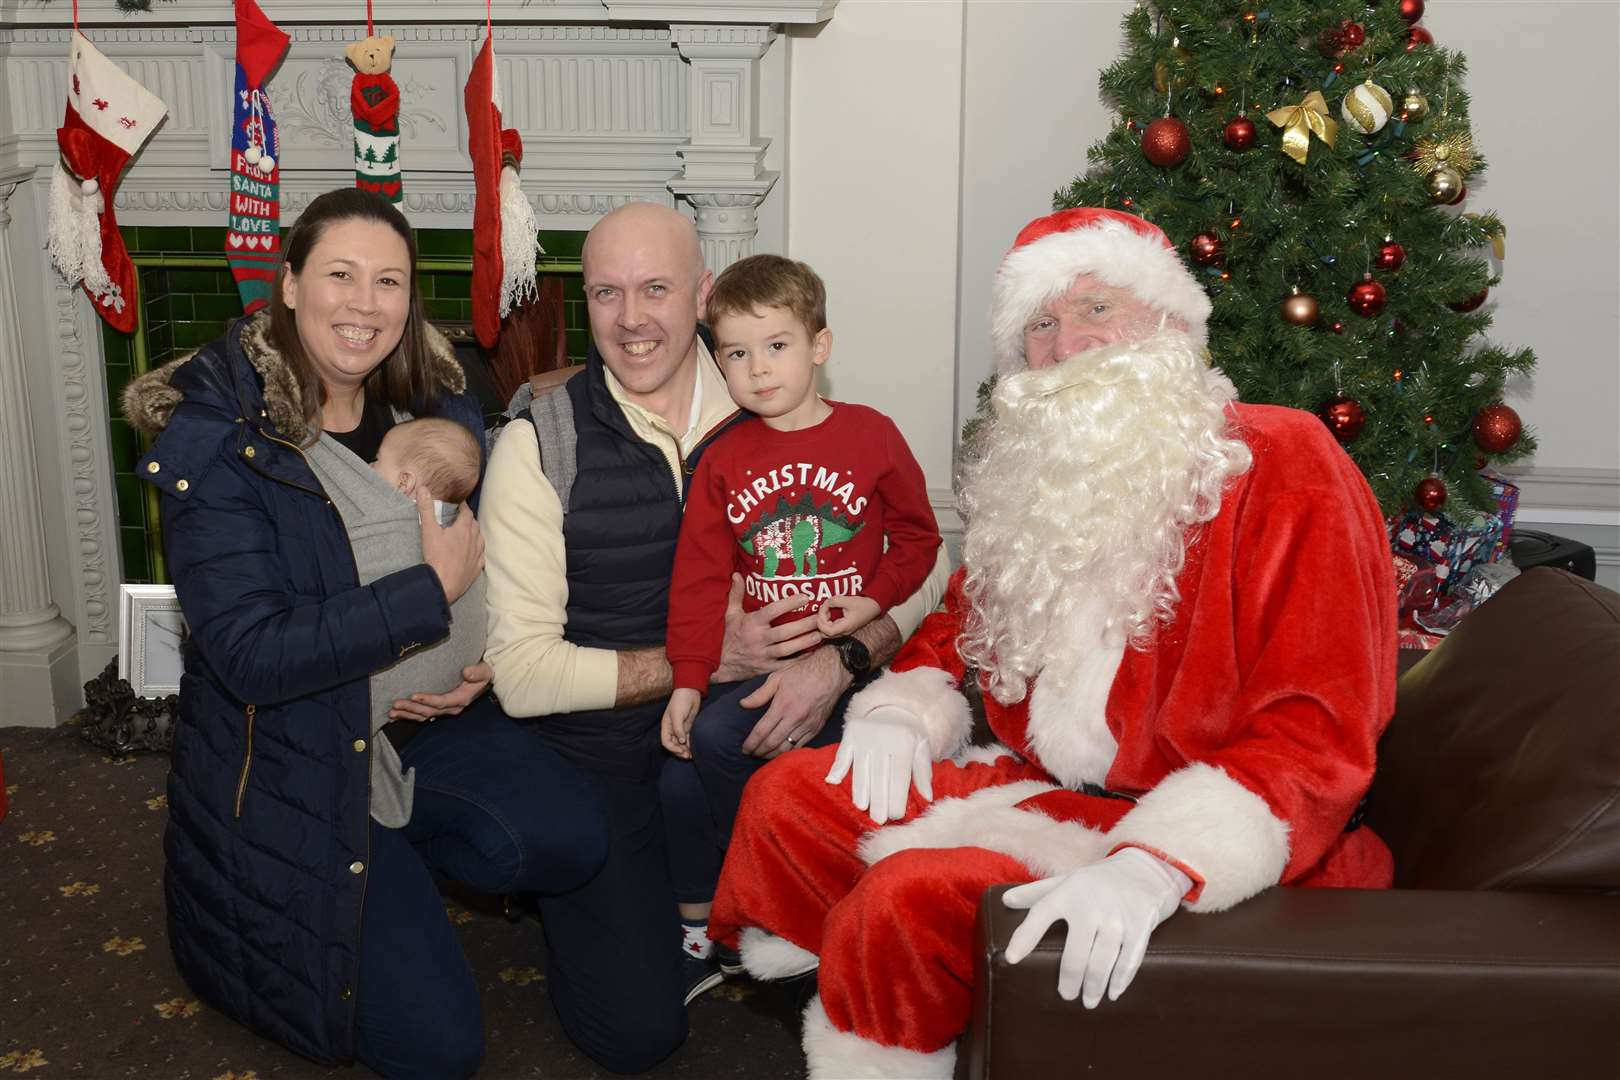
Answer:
(1180, 611)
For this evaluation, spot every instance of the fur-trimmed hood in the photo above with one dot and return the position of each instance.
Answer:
(150, 400)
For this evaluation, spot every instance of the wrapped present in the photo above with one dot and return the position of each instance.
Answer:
(1507, 504)
(1453, 547)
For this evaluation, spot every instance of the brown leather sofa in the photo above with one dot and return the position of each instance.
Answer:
(1496, 955)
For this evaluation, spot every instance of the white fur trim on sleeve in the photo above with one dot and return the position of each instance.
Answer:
(990, 819)
(1031, 275)
(1202, 819)
(842, 1055)
(984, 755)
(931, 697)
(767, 957)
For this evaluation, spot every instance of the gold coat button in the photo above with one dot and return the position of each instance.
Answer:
(181, 485)
(357, 867)
(360, 746)
(346, 994)
(151, 466)
(249, 452)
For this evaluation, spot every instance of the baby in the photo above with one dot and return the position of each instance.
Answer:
(440, 454)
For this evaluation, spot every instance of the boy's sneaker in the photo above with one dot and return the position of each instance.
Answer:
(730, 961)
(699, 975)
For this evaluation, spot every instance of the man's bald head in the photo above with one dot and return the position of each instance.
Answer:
(643, 222)
(645, 287)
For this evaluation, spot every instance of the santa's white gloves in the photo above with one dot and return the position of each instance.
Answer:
(1112, 908)
(886, 753)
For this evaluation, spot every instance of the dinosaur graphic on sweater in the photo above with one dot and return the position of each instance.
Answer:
(796, 532)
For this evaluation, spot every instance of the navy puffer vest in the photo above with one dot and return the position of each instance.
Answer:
(620, 527)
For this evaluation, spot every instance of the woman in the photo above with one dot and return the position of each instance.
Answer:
(290, 907)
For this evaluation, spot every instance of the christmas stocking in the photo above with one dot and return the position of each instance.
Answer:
(253, 241)
(374, 101)
(109, 117)
(506, 240)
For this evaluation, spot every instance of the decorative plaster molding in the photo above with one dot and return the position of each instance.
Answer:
(85, 422)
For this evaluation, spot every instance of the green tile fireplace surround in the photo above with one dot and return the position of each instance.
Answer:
(188, 297)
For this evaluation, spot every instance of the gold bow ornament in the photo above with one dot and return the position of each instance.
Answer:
(1300, 122)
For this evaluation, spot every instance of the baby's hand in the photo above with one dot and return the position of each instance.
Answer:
(857, 611)
(676, 728)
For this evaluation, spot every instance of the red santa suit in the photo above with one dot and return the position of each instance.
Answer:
(1241, 740)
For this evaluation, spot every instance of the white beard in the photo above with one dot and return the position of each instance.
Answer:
(1090, 478)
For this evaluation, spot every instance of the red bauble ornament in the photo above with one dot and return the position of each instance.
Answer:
(1352, 35)
(1367, 297)
(1391, 256)
(1418, 36)
(1430, 493)
(1343, 416)
(1205, 248)
(1166, 143)
(1496, 428)
(1239, 133)
(1472, 303)
(1411, 10)
(1330, 41)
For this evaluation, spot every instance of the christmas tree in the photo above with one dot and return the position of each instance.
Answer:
(1311, 160)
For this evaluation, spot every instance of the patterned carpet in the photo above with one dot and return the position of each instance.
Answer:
(88, 987)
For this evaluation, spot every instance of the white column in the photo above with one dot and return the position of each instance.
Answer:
(39, 670)
(722, 168)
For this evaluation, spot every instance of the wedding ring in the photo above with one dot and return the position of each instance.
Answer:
(791, 741)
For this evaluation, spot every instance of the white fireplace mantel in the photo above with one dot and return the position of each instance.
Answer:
(681, 102)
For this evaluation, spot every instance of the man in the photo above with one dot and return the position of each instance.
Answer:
(581, 510)
(1181, 611)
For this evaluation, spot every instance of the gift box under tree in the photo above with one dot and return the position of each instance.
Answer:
(1456, 547)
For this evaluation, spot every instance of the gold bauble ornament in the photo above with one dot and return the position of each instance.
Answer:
(1415, 106)
(1367, 108)
(1180, 59)
(1300, 309)
(1444, 184)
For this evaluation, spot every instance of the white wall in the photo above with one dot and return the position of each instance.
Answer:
(875, 143)
(903, 111)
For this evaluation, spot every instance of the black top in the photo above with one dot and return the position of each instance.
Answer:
(366, 439)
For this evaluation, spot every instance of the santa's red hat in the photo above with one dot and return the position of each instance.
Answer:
(109, 117)
(506, 239)
(1115, 247)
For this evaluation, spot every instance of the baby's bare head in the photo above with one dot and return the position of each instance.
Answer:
(439, 455)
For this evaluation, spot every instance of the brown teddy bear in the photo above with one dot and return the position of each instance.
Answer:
(374, 100)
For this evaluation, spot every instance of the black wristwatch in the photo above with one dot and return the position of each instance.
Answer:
(856, 659)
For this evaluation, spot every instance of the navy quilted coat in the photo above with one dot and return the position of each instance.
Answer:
(267, 841)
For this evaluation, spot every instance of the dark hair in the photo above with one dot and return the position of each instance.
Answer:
(444, 456)
(403, 379)
(769, 281)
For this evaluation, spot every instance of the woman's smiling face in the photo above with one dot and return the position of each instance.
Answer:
(351, 300)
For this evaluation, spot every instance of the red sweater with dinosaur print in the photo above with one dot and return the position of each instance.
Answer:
(796, 512)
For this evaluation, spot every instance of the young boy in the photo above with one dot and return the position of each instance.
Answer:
(799, 500)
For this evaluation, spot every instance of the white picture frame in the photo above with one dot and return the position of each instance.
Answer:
(150, 630)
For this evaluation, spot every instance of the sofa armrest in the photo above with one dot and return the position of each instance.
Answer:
(1321, 982)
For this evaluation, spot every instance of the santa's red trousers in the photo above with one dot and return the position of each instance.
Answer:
(895, 939)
